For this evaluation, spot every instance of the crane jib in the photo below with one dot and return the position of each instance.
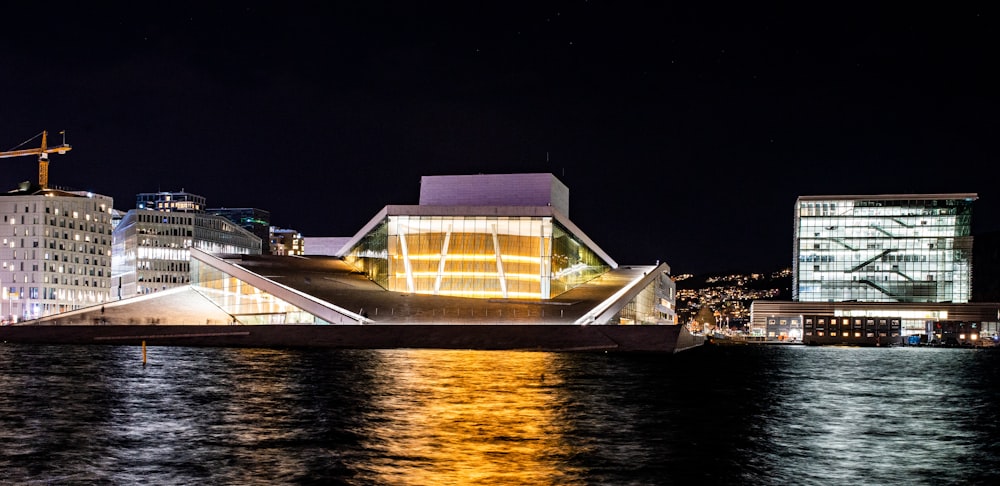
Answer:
(43, 159)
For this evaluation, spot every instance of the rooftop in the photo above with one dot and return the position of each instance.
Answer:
(331, 280)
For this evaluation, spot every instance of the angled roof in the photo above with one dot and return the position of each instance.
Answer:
(333, 290)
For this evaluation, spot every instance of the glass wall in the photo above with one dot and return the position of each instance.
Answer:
(652, 305)
(883, 250)
(480, 257)
(152, 247)
(371, 256)
(246, 303)
(573, 263)
(641, 309)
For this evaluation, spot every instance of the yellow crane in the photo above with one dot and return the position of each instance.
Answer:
(43, 155)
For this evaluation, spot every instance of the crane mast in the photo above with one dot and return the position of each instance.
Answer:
(43, 157)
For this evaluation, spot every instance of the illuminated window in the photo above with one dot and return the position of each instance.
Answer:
(482, 257)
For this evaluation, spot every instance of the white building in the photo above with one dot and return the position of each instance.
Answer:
(56, 252)
(493, 236)
(151, 243)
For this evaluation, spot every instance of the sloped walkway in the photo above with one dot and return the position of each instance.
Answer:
(333, 281)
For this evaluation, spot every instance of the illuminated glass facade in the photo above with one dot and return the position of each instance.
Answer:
(150, 247)
(890, 248)
(518, 257)
(246, 303)
(654, 304)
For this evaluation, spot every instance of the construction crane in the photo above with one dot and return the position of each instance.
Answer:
(43, 155)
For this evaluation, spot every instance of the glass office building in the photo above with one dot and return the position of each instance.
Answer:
(883, 248)
(880, 270)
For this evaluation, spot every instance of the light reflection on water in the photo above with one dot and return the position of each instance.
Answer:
(885, 416)
(471, 417)
(729, 415)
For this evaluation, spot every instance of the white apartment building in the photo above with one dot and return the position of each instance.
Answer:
(56, 252)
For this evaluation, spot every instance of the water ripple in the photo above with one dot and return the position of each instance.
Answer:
(727, 415)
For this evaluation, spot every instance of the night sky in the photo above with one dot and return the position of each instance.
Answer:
(684, 131)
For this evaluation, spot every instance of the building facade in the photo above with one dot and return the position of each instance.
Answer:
(887, 248)
(496, 236)
(174, 202)
(880, 269)
(56, 252)
(150, 246)
(515, 244)
(256, 221)
(286, 242)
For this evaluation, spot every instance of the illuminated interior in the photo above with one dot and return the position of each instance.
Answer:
(643, 308)
(523, 257)
(883, 250)
(246, 303)
(151, 247)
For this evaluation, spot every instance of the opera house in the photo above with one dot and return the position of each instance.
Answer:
(489, 261)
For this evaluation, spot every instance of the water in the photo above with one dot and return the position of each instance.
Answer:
(753, 415)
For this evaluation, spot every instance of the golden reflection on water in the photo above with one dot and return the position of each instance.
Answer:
(469, 417)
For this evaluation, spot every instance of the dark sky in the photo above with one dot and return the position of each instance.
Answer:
(684, 131)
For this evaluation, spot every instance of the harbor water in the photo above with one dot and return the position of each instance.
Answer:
(743, 415)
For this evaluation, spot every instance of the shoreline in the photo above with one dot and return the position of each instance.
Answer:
(539, 337)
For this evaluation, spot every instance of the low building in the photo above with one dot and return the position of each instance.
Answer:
(867, 323)
(286, 242)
